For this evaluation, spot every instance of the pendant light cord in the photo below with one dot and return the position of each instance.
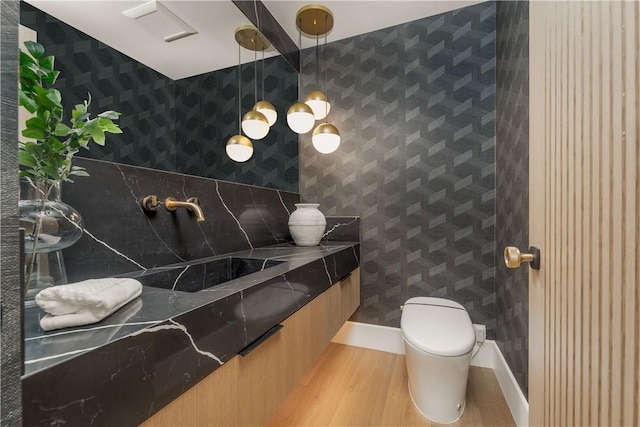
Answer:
(262, 75)
(255, 68)
(239, 92)
(300, 51)
(324, 60)
(317, 63)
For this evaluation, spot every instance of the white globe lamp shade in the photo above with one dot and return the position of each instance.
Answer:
(318, 103)
(268, 110)
(300, 118)
(255, 125)
(239, 148)
(326, 138)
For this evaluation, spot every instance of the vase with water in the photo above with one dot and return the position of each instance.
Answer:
(50, 225)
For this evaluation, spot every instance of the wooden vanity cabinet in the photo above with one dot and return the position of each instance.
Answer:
(246, 391)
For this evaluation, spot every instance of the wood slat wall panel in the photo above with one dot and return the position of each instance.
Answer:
(594, 168)
(585, 303)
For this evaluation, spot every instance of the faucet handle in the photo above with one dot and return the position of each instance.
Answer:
(150, 203)
(194, 200)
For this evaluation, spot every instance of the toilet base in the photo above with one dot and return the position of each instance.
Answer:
(464, 404)
(437, 385)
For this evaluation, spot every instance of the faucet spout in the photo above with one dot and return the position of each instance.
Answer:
(191, 204)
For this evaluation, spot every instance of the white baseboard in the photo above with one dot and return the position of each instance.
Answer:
(385, 338)
(374, 337)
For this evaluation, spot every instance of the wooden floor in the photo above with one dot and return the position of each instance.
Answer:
(352, 386)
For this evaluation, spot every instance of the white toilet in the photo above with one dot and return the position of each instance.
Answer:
(438, 342)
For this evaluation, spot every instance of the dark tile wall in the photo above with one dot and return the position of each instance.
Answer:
(10, 290)
(512, 183)
(179, 126)
(116, 82)
(207, 112)
(415, 105)
(120, 237)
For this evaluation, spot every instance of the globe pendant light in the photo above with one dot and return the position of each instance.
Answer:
(300, 118)
(265, 107)
(316, 20)
(326, 138)
(319, 104)
(254, 124)
(269, 111)
(239, 148)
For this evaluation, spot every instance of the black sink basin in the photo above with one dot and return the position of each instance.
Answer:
(196, 277)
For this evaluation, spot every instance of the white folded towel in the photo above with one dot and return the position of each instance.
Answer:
(85, 302)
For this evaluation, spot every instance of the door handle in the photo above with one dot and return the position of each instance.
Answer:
(513, 257)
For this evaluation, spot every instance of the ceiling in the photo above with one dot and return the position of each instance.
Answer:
(214, 47)
(358, 17)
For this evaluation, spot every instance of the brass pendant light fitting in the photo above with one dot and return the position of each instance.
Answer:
(315, 20)
(255, 124)
(239, 148)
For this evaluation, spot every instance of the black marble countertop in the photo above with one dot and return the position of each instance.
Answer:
(128, 366)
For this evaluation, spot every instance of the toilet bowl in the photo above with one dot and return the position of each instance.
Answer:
(438, 341)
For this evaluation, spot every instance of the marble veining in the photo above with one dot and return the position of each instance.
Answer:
(335, 226)
(135, 198)
(175, 325)
(120, 237)
(131, 364)
(233, 216)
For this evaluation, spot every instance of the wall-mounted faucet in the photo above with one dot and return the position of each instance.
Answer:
(151, 203)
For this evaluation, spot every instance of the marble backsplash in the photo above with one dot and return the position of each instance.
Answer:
(121, 237)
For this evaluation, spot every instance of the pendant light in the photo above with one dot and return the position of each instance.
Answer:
(318, 20)
(265, 107)
(300, 116)
(254, 123)
(239, 148)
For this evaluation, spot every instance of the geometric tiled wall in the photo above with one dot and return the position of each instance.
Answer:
(415, 104)
(116, 82)
(179, 126)
(207, 115)
(512, 183)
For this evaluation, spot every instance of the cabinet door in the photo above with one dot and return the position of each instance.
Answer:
(246, 391)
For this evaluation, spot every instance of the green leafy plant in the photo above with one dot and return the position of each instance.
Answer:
(48, 155)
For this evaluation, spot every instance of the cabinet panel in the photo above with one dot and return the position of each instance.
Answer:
(246, 390)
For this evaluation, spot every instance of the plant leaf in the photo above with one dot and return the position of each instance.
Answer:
(50, 77)
(35, 49)
(26, 159)
(47, 63)
(29, 104)
(54, 96)
(113, 115)
(97, 135)
(36, 123)
(26, 59)
(33, 133)
(62, 130)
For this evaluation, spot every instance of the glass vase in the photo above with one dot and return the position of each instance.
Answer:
(50, 225)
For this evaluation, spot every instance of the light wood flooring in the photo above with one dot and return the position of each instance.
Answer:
(352, 386)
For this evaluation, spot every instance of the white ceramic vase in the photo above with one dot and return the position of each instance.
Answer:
(307, 224)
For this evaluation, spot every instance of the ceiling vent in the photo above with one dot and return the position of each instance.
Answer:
(159, 20)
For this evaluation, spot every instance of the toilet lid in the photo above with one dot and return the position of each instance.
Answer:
(438, 326)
